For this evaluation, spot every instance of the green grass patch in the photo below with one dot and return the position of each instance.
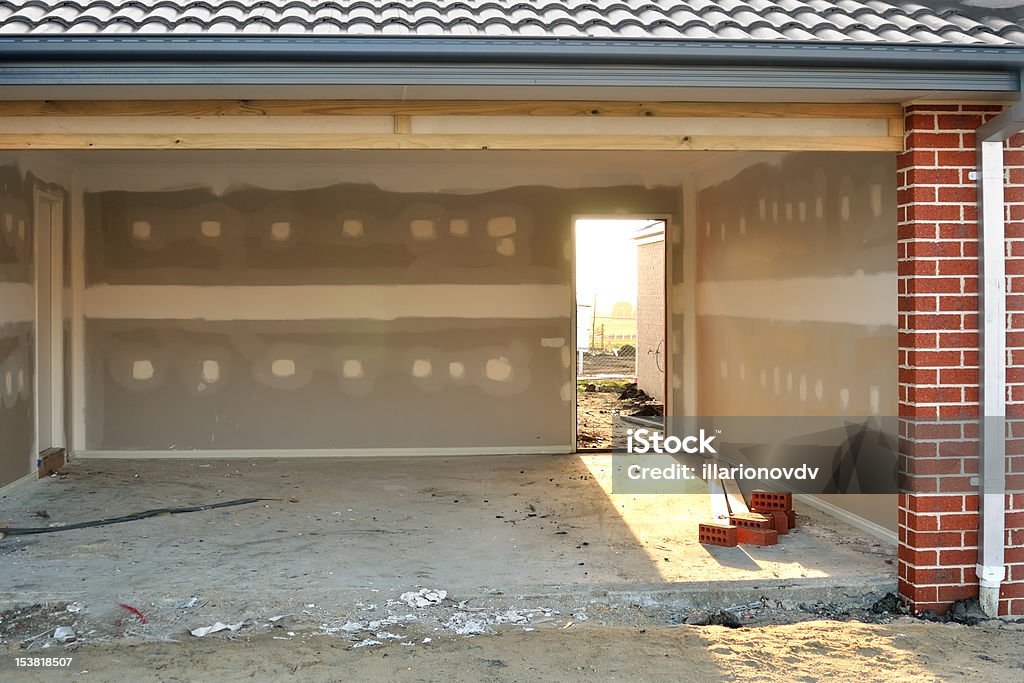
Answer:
(604, 385)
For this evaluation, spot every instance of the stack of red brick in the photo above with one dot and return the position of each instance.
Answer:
(771, 514)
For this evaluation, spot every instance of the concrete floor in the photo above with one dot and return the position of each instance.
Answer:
(359, 529)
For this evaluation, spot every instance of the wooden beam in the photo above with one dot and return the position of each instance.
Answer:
(403, 124)
(358, 141)
(447, 108)
(896, 127)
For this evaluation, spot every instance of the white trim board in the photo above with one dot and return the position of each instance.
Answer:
(865, 525)
(319, 453)
(18, 484)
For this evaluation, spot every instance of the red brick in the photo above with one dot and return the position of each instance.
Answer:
(751, 520)
(935, 539)
(953, 593)
(962, 556)
(964, 158)
(780, 521)
(958, 522)
(957, 194)
(717, 534)
(934, 576)
(935, 140)
(918, 594)
(763, 501)
(752, 536)
(936, 503)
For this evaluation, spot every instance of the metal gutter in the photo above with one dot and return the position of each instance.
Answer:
(460, 61)
(475, 50)
(21, 73)
(991, 568)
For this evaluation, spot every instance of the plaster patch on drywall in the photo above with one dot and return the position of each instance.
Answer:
(422, 368)
(137, 367)
(142, 231)
(499, 369)
(506, 246)
(210, 229)
(423, 229)
(280, 231)
(352, 368)
(352, 227)
(456, 370)
(283, 367)
(142, 370)
(210, 371)
(501, 226)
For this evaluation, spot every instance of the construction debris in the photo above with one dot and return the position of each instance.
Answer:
(424, 597)
(204, 631)
(714, 618)
(64, 634)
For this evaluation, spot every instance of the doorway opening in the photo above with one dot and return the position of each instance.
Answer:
(621, 354)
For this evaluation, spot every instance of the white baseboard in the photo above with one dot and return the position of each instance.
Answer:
(865, 525)
(319, 453)
(8, 489)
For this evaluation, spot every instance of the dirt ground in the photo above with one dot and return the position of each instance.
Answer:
(814, 650)
(597, 409)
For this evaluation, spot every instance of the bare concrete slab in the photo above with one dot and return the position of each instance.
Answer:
(359, 530)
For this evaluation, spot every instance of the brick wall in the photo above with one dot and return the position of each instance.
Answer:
(939, 358)
(650, 319)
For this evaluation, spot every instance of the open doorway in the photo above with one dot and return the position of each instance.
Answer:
(620, 326)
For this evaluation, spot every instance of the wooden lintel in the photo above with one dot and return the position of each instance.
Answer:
(403, 124)
(359, 141)
(447, 108)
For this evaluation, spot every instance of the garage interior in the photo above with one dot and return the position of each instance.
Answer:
(391, 333)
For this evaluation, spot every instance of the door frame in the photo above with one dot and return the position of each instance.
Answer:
(671, 223)
(48, 323)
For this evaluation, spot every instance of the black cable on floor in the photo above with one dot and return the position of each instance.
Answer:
(26, 531)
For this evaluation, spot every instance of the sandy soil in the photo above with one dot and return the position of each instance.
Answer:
(903, 650)
(596, 410)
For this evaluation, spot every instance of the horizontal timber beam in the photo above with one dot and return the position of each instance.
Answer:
(503, 141)
(446, 108)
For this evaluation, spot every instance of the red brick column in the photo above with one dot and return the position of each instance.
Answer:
(938, 358)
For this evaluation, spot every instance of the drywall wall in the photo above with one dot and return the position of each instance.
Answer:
(338, 317)
(795, 292)
(17, 311)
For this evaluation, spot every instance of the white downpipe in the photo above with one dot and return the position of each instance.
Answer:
(991, 568)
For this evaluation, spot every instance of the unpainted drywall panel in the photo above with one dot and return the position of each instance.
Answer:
(796, 288)
(17, 305)
(796, 292)
(339, 317)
